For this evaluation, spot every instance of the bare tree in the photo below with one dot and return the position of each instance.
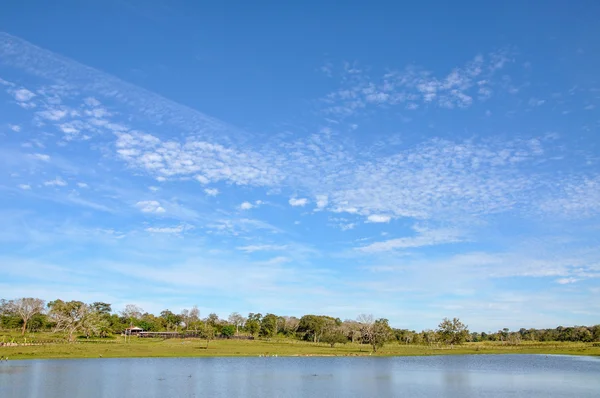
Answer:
(352, 329)
(70, 316)
(291, 325)
(26, 308)
(131, 312)
(236, 320)
(365, 319)
(185, 317)
(374, 332)
(194, 317)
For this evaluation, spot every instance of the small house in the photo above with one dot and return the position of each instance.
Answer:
(133, 331)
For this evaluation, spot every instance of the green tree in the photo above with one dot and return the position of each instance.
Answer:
(268, 326)
(453, 331)
(253, 323)
(312, 327)
(334, 335)
(228, 330)
(101, 308)
(170, 320)
(207, 332)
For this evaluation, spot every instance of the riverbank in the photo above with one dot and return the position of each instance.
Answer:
(137, 348)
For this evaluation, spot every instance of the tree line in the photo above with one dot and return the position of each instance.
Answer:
(76, 318)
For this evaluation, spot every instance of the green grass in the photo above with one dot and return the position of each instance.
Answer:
(118, 348)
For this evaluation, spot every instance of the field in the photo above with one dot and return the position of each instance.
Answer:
(119, 348)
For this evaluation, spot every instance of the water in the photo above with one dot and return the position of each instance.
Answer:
(442, 376)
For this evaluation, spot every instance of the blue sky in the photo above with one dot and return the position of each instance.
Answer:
(411, 161)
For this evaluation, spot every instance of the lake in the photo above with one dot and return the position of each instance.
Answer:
(436, 376)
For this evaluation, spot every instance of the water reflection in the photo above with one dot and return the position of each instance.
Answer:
(448, 376)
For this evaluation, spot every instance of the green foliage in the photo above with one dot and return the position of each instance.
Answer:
(377, 333)
(253, 323)
(101, 308)
(334, 335)
(207, 332)
(170, 320)
(312, 327)
(453, 331)
(268, 325)
(97, 319)
(228, 330)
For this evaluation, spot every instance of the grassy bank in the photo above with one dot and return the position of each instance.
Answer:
(118, 348)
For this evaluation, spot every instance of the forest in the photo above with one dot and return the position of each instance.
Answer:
(76, 319)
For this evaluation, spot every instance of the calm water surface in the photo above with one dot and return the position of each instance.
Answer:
(443, 376)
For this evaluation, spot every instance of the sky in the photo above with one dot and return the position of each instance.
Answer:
(412, 161)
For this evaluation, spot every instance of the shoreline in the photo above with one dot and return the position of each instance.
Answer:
(316, 356)
(281, 348)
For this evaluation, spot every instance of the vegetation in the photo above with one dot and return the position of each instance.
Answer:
(31, 329)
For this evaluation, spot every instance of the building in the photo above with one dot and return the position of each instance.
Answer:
(133, 331)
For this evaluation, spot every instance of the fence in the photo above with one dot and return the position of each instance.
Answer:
(187, 335)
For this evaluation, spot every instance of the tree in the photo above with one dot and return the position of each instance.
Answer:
(228, 330)
(193, 318)
(453, 331)
(268, 325)
(213, 319)
(171, 320)
(73, 316)
(313, 326)
(236, 320)
(207, 332)
(101, 308)
(131, 312)
(290, 325)
(429, 337)
(26, 308)
(334, 335)
(253, 323)
(377, 333)
(352, 329)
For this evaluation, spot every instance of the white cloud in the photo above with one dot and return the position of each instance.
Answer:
(14, 127)
(90, 101)
(347, 226)
(211, 191)
(53, 114)
(412, 87)
(577, 197)
(57, 182)
(298, 202)
(41, 156)
(377, 218)
(322, 201)
(536, 102)
(82, 185)
(564, 281)
(153, 188)
(424, 237)
(206, 162)
(257, 248)
(25, 187)
(169, 230)
(150, 206)
(23, 95)
(246, 206)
